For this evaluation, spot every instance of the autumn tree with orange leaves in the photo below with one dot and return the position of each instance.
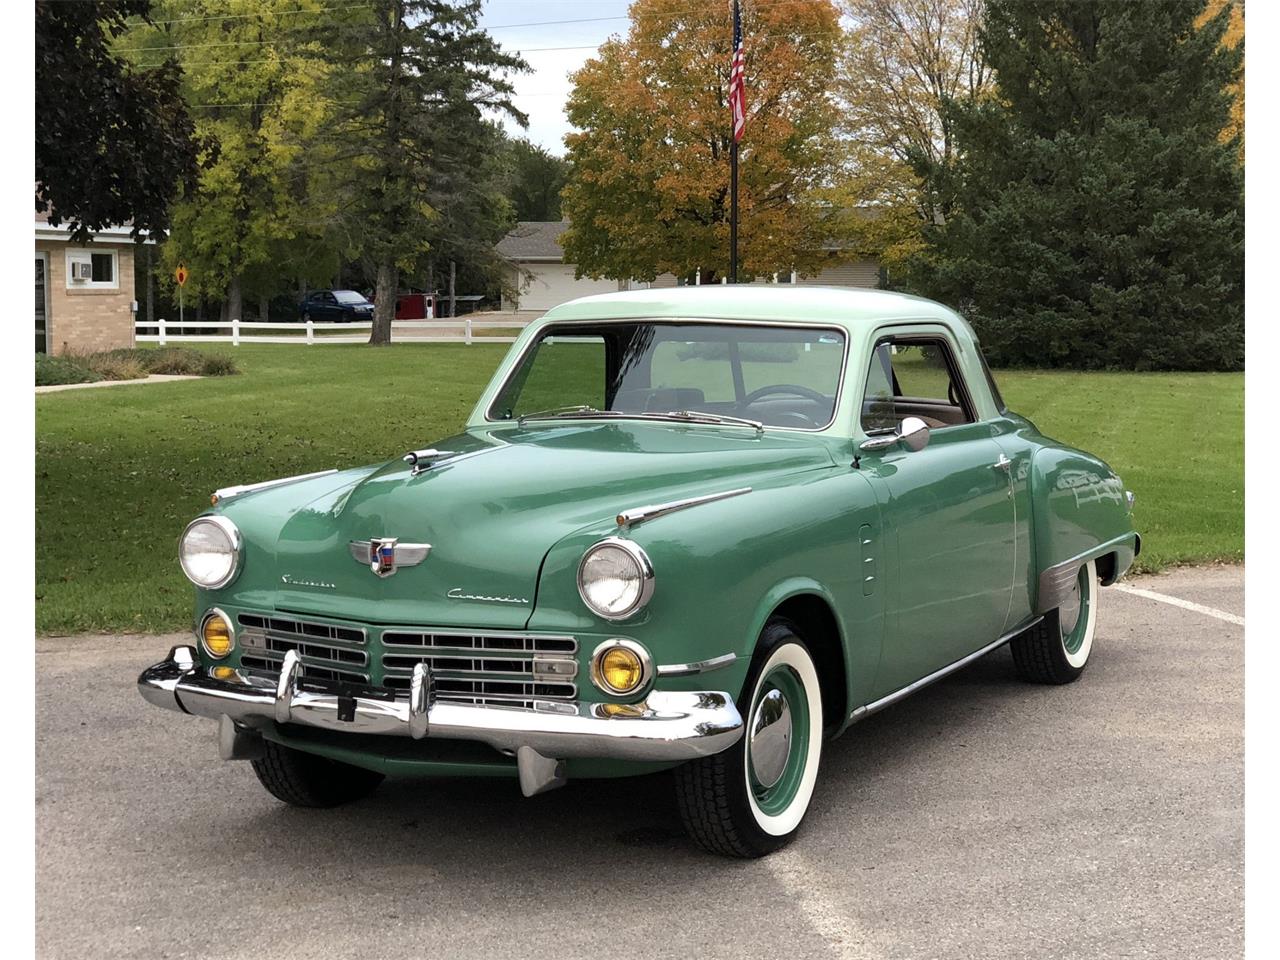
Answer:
(649, 192)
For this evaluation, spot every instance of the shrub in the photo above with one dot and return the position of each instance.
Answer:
(110, 366)
(217, 365)
(131, 364)
(54, 370)
(175, 361)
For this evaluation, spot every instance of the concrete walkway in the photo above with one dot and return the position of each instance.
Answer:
(154, 378)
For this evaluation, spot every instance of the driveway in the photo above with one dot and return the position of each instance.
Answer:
(981, 818)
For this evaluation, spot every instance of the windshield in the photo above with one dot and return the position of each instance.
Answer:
(348, 296)
(783, 376)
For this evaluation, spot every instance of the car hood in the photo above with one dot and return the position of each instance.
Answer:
(490, 512)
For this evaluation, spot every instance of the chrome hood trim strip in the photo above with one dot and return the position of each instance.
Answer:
(226, 493)
(629, 518)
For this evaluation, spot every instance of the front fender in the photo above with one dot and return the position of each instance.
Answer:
(721, 568)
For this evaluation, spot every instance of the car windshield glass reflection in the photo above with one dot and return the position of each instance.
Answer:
(348, 296)
(745, 375)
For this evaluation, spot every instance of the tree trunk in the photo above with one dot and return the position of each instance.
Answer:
(264, 309)
(453, 292)
(151, 289)
(384, 308)
(234, 309)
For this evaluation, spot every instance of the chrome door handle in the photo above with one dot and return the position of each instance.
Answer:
(1004, 463)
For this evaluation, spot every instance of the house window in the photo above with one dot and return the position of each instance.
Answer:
(92, 269)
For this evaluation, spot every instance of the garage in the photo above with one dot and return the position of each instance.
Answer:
(547, 285)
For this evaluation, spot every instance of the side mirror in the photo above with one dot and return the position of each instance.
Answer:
(912, 433)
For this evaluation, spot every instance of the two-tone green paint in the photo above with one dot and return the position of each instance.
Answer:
(918, 558)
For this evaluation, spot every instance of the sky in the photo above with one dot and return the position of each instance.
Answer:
(541, 93)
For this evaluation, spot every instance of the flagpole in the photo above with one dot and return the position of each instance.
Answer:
(733, 212)
(737, 102)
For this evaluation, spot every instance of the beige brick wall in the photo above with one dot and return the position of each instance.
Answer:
(83, 321)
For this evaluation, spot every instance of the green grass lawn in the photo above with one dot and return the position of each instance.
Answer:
(120, 471)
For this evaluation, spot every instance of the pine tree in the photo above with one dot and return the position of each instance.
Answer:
(407, 153)
(1101, 213)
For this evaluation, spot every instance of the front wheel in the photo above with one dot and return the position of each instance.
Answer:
(749, 800)
(1056, 650)
(306, 780)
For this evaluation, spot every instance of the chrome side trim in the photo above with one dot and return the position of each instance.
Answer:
(876, 705)
(666, 725)
(225, 493)
(629, 518)
(697, 666)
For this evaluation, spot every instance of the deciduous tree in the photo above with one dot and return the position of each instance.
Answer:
(649, 191)
(113, 142)
(252, 224)
(535, 179)
(903, 61)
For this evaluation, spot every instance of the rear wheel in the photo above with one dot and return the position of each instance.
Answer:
(305, 780)
(1056, 650)
(749, 800)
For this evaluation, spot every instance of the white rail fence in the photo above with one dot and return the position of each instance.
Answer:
(449, 330)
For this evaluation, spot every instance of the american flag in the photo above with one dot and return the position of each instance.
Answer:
(737, 85)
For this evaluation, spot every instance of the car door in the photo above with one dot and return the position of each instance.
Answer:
(947, 514)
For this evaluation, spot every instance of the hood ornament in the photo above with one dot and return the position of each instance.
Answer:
(385, 555)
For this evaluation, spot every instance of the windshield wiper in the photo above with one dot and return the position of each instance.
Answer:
(582, 411)
(700, 416)
(566, 413)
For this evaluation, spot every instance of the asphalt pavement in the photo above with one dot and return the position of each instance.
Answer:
(981, 818)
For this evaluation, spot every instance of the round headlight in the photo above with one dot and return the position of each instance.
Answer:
(620, 666)
(615, 578)
(217, 635)
(209, 552)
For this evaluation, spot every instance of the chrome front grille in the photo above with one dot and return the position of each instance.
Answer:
(328, 652)
(501, 670)
(479, 668)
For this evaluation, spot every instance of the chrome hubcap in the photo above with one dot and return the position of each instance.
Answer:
(1069, 612)
(770, 738)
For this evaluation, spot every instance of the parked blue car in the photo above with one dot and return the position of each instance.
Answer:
(327, 306)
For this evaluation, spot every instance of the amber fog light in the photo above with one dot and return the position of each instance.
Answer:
(216, 634)
(620, 666)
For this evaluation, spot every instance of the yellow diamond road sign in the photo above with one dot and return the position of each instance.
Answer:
(181, 274)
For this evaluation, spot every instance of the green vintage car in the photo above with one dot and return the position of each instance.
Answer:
(704, 529)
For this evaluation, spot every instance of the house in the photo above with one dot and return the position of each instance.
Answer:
(84, 292)
(536, 271)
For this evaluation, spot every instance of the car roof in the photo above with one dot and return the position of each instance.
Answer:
(841, 306)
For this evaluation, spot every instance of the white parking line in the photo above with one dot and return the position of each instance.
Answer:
(808, 892)
(1179, 602)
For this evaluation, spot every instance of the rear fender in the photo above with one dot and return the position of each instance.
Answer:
(1079, 513)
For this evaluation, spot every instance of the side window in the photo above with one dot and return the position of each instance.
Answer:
(915, 377)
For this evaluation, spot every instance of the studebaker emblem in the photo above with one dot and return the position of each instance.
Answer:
(385, 555)
(297, 582)
(457, 594)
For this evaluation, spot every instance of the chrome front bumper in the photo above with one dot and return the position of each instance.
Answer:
(667, 725)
